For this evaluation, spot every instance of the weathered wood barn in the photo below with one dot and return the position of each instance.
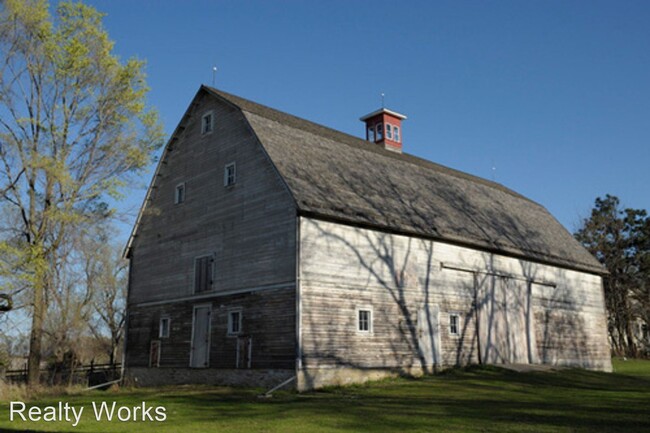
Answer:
(270, 247)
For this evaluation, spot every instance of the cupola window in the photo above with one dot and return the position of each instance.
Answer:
(371, 133)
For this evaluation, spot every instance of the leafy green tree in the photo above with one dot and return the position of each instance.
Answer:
(620, 240)
(74, 128)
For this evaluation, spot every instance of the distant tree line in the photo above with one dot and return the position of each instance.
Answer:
(620, 240)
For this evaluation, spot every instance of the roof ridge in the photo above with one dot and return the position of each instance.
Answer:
(356, 142)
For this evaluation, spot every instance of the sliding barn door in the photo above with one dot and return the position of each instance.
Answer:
(506, 328)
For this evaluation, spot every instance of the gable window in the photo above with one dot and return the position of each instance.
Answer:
(234, 322)
(380, 131)
(179, 194)
(163, 331)
(203, 273)
(229, 174)
(396, 133)
(206, 123)
(364, 320)
(371, 133)
(389, 131)
(454, 324)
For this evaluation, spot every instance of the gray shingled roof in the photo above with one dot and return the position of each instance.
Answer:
(340, 177)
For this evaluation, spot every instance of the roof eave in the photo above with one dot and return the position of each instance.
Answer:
(383, 110)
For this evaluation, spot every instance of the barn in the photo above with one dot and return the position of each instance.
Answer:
(270, 248)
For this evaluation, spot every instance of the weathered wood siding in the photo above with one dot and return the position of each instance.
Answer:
(273, 336)
(527, 312)
(250, 230)
(249, 227)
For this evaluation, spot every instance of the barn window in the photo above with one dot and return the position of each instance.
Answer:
(396, 133)
(454, 324)
(203, 273)
(163, 331)
(234, 322)
(229, 174)
(380, 131)
(206, 123)
(364, 320)
(371, 133)
(389, 131)
(179, 195)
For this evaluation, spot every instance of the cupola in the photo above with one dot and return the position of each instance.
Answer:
(384, 127)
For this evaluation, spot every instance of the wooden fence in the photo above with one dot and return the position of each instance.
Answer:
(85, 375)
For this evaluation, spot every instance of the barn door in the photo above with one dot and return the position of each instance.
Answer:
(244, 351)
(200, 352)
(505, 322)
(429, 336)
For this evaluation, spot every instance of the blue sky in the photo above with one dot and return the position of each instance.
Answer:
(549, 98)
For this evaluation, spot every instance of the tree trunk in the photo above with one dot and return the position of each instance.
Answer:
(631, 344)
(36, 337)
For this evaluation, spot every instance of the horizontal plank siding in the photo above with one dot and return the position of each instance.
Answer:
(268, 317)
(528, 312)
(249, 231)
(248, 227)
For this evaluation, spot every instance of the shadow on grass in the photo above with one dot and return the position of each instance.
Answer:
(474, 396)
(468, 399)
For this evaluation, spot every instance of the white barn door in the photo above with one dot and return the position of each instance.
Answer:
(200, 352)
(429, 335)
(506, 328)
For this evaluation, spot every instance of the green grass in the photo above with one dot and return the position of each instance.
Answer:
(474, 399)
(632, 367)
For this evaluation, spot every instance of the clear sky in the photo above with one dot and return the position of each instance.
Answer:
(549, 98)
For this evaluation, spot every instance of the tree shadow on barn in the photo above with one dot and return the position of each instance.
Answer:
(404, 269)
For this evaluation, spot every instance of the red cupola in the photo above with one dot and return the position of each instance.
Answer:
(384, 127)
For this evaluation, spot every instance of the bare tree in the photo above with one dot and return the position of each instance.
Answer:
(106, 274)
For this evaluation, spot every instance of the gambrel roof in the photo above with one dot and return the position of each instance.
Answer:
(339, 177)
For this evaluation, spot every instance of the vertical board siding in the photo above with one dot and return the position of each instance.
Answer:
(527, 312)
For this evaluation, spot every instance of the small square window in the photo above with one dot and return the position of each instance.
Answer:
(229, 175)
(454, 324)
(179, 194)
(396, 133)
(380, 131)
(206, 123)
(163, 331)
(364, 322)
(389, 131)
(234, 322)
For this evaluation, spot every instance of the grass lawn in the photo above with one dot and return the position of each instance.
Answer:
(474, 399)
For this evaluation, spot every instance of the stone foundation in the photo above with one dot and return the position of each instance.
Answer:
(314, 378)
(141, 376)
